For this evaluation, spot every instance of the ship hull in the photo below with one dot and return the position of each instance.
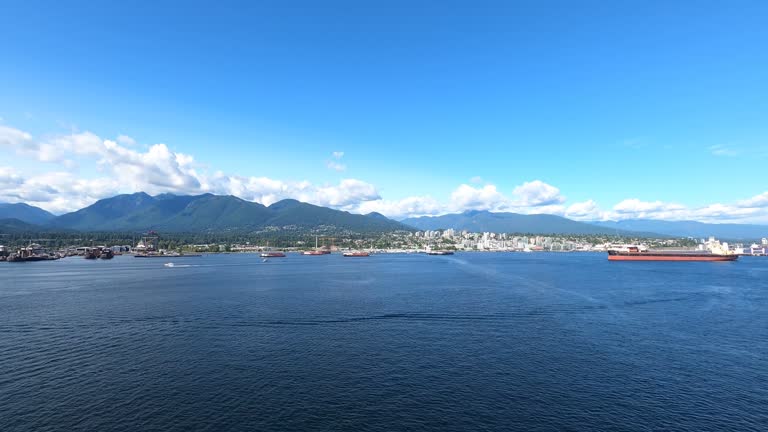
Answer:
(645, 256)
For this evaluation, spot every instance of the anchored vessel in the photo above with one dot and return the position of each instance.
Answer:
(636, 253)
(272, 255)
(356, 254)
(318, 250)
(33, 252)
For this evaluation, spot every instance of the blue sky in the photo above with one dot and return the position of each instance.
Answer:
(623, 109)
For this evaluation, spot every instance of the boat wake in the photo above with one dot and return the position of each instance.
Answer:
(172, 265)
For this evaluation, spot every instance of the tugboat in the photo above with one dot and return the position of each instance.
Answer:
(107, 254)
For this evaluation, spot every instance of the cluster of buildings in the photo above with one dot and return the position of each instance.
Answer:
(489, 241)
(755, 249)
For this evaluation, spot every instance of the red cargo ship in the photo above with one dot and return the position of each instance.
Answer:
(272, 255)
(634, 253)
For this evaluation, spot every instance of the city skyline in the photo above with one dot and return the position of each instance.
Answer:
(618, 112)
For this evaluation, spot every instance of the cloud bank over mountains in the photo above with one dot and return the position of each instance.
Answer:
(122, 166)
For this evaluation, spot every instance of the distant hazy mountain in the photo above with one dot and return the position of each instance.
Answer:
(173, 213)
(25, 213)
(485, 221)
(691, 228)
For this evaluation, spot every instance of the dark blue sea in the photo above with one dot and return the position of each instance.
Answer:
(470, 342)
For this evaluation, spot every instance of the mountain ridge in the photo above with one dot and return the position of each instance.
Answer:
(208, 212)
(25, 213)
(486, 221)
(691, 228)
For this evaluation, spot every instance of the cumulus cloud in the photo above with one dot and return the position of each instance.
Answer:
(13, 137)
(752, 210)
(347, 194)
(408, 207)
(124, 168)
(126, 140)
(158, 169)
(54, 191)
(586, 210)
(760, 200)
(537, 193)
(466, 197)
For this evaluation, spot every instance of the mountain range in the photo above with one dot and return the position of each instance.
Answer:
(225, 213)
(25, 213)
(690, 228)
(485, 221)
(208, 213)
(481, 221)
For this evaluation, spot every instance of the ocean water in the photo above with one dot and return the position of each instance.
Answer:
(473, 341)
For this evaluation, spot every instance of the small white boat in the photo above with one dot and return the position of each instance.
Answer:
(168, 264)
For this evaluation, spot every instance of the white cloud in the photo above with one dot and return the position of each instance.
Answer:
(347, 194)
(466, 197)
(723, 150)
(476, 180)
(9, 179)
(760, 200)
(537, 193)
(336, 166)
(586, 210)
(635, 209)
(126, 140)
(335, 163)
(400, 209)
(753, 210)
(54, 191)
(14, 138)
(157, 168)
